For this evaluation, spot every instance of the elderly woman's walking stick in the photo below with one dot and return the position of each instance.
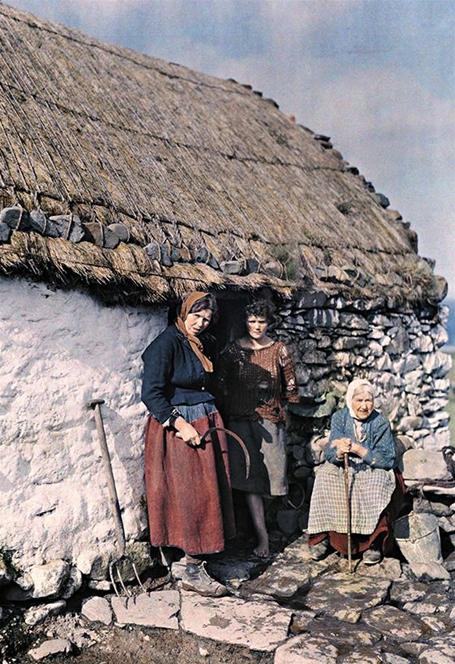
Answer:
(348, 510)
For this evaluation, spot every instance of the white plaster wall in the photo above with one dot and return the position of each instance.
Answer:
(58, 350)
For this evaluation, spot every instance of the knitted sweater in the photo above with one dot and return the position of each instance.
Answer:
(255, 383)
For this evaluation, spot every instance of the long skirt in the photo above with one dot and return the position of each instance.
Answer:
(382, 535)
(189, 499)
(265, 442)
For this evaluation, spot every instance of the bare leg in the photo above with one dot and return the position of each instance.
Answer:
(256, 507)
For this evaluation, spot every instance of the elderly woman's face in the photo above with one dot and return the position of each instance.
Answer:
(197, 322)
(257, 326)
(362, 404)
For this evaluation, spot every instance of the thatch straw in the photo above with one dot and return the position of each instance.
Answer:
(113, 135)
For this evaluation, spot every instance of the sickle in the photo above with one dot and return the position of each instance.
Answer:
(238, 440)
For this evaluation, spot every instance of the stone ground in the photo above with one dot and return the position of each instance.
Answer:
(292, 612)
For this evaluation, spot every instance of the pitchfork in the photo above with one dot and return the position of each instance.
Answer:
(114, 567)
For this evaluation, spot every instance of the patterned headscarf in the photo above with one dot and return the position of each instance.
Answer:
(357, 385)
(195, 342)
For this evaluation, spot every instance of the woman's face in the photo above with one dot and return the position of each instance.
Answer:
(197, 322)
(362, 404)
(257, 327)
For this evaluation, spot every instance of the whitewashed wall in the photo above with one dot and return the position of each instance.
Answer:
(58, 350)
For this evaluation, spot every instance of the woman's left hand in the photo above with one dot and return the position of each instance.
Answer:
(358, 449)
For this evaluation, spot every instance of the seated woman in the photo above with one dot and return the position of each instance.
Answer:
(365, 435)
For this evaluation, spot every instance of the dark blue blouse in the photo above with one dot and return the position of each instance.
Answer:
(378, 438)
(173, 375)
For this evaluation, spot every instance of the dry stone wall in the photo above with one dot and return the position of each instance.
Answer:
(398, 350)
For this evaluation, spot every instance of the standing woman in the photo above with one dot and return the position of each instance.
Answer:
(186, 473)
(258, 377)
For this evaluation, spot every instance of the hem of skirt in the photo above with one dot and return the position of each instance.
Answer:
(187, 550)
(260, 493)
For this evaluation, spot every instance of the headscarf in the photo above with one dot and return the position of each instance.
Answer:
(355, 386)
(194, 341)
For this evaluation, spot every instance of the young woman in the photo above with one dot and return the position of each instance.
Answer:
(258, 377)
(186, 472)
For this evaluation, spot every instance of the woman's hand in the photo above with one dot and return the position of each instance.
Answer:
(187, 432)
(359, 450)
(343, 446)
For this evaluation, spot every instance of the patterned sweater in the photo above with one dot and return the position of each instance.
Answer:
(255, 383)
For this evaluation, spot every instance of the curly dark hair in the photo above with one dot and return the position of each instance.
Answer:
(207, 302)
(263, 308)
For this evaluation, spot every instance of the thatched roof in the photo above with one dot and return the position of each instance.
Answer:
(203, 171)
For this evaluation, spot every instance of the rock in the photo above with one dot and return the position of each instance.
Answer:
(5, 233)
(301, 621)
(407, 591)
(5, 574)
(388, 568)
(121, 231)
(420, 608)
(282, 579)
(305, 650)
(437, 364)
(39, 222)
(97, 609)
(69, 227)
(156, 609)
(434, 623)
(395, 623)
(390, 658)
(38, 614)
(72, 584)
(431, 507)
(256, 625)
(423, 464)
(410, 423)
(15, 217)
(447, 523)
(449, 562)
(139, 553)
(102, 586)
(51, 647)
(441, 651)
(381, 199)
(335, 632)
(345, 597)
(49, 579)
(430, 570)
(101, 235)
(152, 249)
(232, 267)
(229, 569)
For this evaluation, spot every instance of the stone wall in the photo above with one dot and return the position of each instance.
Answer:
(58, 350)
(335, 341)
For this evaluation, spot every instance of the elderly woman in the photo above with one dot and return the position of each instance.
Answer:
(258, 377)
(186, 464)
(362, 433)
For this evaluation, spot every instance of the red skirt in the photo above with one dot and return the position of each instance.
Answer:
(382, 534)
(189, 501)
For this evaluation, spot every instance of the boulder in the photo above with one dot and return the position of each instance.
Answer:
(423, 464)
(15, 217)
(407, 591)
(255, 625)
(72, 584)
(5, 574)
(440, 650)
(69, 227)
(430, 570)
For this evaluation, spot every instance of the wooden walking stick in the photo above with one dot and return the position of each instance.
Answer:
(348, 509)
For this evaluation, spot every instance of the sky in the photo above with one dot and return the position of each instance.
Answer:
(378, 76)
